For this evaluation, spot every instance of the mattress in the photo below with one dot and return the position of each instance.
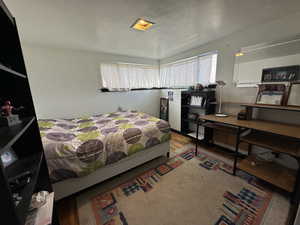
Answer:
(77, 147)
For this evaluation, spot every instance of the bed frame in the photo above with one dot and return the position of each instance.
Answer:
(68, 187)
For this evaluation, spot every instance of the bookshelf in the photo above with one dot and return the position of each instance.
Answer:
(189, 125)
(24, 138)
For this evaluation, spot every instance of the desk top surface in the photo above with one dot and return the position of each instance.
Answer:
(261, 125)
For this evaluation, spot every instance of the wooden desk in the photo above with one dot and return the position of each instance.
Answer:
(273, 107)
(278, 137)
(266, 126)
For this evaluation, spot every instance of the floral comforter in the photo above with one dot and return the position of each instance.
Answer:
(77, 147)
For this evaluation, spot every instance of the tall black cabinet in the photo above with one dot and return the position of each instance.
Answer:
(24, 138)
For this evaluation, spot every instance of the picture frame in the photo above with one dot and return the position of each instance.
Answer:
(281, 74)
(293, 99)
(8, 157)
(271, 94)
(164, 109)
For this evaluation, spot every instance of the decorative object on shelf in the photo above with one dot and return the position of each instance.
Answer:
(221, 84)
(17, 198)
(242, 115)
(191, 88)
(262, 158)
(294, 94)
(265, 156)
(19, 181)
(7, 118)
(271, 94)
(199, 87)
(281, 74)
(38, 199)
(43, 214)
(6, 109)
(164, 109)
(8, 157)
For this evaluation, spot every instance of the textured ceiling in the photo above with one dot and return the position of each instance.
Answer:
(104, 25)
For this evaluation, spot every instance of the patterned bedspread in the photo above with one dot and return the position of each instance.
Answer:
(77, 147)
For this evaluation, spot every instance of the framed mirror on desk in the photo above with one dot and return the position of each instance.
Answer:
(270, 94)
(294, 95)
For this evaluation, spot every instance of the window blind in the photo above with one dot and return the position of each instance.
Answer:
(183, 73)
(200, 69)
(129, 76)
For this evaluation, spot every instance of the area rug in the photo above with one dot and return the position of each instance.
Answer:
(184, 190)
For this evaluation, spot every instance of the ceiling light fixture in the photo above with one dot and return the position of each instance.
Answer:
(141, 24)
(239, 54)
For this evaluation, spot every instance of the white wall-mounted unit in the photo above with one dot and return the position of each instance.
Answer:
(250, 73)
(249, 66)
(175, 109)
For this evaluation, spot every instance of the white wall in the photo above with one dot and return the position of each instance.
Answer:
(228, 46)
(65, 83)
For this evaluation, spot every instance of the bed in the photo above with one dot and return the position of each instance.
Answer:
(84, 151)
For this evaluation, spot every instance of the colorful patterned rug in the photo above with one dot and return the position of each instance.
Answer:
(207, 161)
(187, 189)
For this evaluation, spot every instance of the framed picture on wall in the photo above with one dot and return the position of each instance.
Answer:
(281, 74)
(271, 94)
(164, 109)
(294, 95)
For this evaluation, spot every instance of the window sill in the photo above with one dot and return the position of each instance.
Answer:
(105, 90)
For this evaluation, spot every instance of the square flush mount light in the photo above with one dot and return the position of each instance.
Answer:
(141, 24)
(239, 54)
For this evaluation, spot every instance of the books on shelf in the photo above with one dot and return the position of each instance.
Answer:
(196, 101)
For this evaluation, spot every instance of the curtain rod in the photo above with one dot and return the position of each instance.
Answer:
(137, 64)
(192, 57)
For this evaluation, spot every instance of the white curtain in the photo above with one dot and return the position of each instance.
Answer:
(201, 69)
(179, 74)
(129, 76)
(207, 69)
(110, 76)
(184, 73)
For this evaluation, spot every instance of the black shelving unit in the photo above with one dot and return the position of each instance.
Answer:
(207, 106)
(24, 138)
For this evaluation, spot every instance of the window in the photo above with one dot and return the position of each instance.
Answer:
(183, 73)
(180, 74)
(188, 72)
(129, 76)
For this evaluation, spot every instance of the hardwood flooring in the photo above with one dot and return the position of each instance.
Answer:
(67, 211)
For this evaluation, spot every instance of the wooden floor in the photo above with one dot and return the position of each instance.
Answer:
(67, 209)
